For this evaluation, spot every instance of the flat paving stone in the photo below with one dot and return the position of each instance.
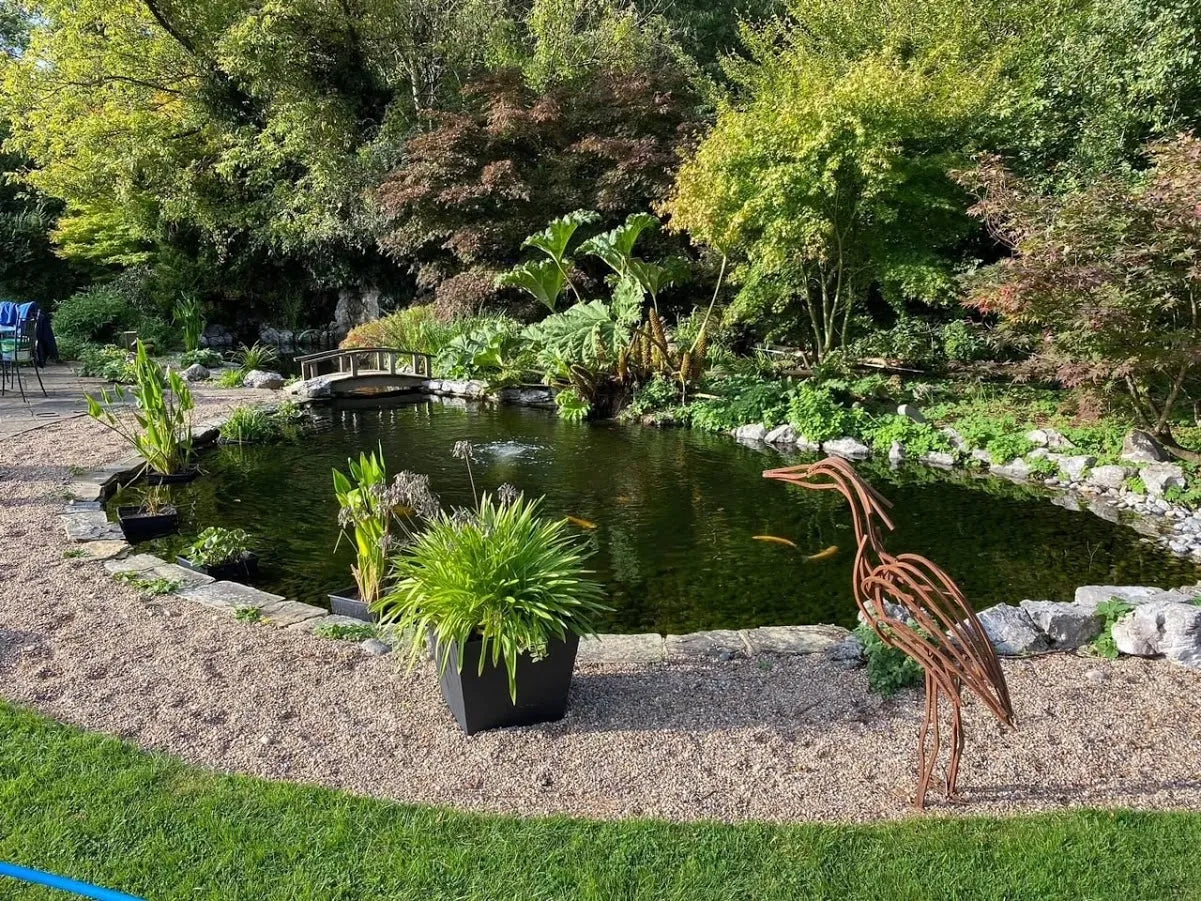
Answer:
(105, 550)
(640, 648)
(136, 563)
(228, 595)
(81, 506)
(86, 491)
(289, 613)
(722, 644)
(90, 525)
(794, 640)
(329, 619)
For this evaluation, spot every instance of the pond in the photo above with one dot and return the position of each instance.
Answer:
(675, 515)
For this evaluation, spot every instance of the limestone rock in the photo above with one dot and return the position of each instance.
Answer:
(1050, 439)
(754, 432)
(1017, 470)
(1142, 447)
(847, 448)
(910, 412)
(782, 435)
(848, 653)
(195, 373)
(1067, 626)
(957, 440)
(527, 396)
(718, 644)
(375, 647)
(896, 453)
(260, 378)
(1164, 627)
(1158, 477)
(90, 525)
(1108, 476)
(1012, 631)
(1073, 467)
(794, 640)
(939, 459)
(980, 455)
(1135, 595)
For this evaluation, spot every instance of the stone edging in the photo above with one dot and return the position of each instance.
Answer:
(1164, 623)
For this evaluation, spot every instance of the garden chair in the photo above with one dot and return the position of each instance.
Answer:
(18, 346)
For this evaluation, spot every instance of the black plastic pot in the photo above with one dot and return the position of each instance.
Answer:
(481, 701)
(346, 603)
(244, 567)
(139, 525)
(171, 478)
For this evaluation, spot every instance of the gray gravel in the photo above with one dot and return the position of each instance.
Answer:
(770, 739)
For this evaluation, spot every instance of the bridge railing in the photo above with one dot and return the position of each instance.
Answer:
(392, 360)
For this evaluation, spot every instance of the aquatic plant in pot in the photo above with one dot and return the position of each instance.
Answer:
(152, 517)
(371, 512)
(222, 554)
(153, 416)
(501, 597)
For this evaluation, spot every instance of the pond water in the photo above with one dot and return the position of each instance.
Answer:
(675, 515)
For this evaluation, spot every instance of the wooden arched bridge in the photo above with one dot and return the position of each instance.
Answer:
(362, 370)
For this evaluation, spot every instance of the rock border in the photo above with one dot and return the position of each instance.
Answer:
(1164, 623)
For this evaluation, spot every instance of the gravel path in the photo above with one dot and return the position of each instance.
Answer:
(783, 739)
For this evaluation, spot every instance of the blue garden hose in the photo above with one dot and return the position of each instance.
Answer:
(37, 877)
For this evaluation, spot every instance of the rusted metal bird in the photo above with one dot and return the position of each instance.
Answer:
(914, 606)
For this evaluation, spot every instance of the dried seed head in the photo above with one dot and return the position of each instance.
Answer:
(463, 451)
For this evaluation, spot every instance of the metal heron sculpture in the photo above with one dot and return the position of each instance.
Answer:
(915, 607)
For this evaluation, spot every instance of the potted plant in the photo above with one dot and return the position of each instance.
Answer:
(222, 554)
(152, 518)
(370, 513)
(158, 424)
(500, 596)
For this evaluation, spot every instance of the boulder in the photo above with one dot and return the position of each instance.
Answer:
(847, 448)
(260, 378)
(783, 434)
(909, 411)
(195, 373)
(1067, 626)
(957, 441)
(1012, 631)
(1142, 447)
(896, 453)
(1073, 467)
(1158, 477)
(1111, 476)
(1017, 470)
(1049, 438)
(754, 432)
(980, 455)
(1167, 628)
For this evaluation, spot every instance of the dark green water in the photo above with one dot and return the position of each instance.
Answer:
(675, 512)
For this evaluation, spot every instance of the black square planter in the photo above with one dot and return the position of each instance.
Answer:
(138, 525)
(346, 603)
(245, 566)
(481, 701)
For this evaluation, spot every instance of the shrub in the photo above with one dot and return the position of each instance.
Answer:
(742, 400)
(247, 425)
(817, 414)
(506, 575)
(1004, 448)
(231, 378)
(114, 364)
(918, 438)
(215, 546)
(963, 342)
(485, 348)
(99, 314)
(1043, 466)
(205, 356)
(888, 669)
(415, 328)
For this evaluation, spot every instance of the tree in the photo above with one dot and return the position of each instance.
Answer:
(826, 178)
(1104, 282)
(473, 186)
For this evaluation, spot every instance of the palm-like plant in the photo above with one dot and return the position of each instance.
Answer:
(504, 575)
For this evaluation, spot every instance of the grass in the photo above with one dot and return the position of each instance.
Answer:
(96, 809)
(155, 587)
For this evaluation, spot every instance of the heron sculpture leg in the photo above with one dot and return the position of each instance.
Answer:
(927, 761)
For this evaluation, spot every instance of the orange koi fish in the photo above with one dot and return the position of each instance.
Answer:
(582, 523)
(774, 538)
(823, 555)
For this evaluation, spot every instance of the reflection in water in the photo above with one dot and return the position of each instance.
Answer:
(672, 516)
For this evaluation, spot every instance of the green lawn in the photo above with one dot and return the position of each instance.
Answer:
(95, 809)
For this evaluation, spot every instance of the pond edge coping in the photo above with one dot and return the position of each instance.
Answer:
(87, 528)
